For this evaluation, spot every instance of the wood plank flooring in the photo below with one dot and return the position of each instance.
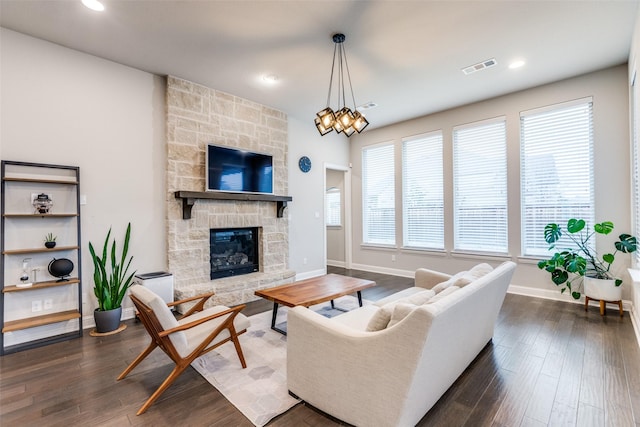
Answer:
(549, 364)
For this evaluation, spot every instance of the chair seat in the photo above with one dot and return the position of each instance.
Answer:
(197, 334)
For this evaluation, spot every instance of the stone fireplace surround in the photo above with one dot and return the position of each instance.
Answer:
(197, 116)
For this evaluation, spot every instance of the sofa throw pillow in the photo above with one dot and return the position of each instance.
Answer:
(459, 279)
(381, 317)
(440, 295)
(478, 271)
(400, 311)
(419, 298)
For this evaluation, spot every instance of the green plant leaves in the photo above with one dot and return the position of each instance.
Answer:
(575, 225)
(605, 227)
(110, 287)
(608, 258)
(559, 276)
(627, 243)
(552, 233)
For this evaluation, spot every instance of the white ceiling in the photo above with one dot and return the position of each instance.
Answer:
(406, 56)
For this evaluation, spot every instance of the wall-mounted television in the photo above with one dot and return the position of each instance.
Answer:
(233, 170)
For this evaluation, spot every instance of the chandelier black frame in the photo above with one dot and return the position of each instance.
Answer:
(343, 119)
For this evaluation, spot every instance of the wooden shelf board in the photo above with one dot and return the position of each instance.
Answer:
(32, 322)
(189, 199)
(41, 285)
(39, 250)
(58, 215)
(40, 181)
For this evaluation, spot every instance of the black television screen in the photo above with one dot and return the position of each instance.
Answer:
(233, 170)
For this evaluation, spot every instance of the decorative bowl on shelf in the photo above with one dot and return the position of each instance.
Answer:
(61, 267)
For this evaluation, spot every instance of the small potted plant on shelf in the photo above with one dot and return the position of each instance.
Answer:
(111, 280)
(50, 241)
(571, 266)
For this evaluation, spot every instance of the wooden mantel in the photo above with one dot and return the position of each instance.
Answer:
(189, 199)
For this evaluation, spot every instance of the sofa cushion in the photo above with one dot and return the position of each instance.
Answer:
(400, 311)
(441, 295)
(460, 279)
(358, 318)
(478, 271)
(381, 317)
(398, 295)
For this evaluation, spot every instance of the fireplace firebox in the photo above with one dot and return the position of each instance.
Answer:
(234, 251)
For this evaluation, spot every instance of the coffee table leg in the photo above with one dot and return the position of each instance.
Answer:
(273, 319)
(360, 298)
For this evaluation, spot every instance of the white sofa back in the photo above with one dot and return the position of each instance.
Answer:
(394, 376)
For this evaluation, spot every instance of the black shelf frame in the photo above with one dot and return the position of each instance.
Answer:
(75, 183)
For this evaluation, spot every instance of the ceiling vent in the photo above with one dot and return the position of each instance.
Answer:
(479, 66)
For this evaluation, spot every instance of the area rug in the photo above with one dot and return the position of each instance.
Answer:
(259, 391)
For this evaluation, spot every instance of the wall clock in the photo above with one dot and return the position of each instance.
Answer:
(305, 164)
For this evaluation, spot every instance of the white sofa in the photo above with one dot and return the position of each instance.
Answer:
(393, 376)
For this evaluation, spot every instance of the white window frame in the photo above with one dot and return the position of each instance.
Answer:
(423, 191)
(557, 137)
(381, 184)
(471, 235)
(333, 203)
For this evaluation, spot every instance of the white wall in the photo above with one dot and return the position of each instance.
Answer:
(609, 90)
(65, 107)
(306, 211)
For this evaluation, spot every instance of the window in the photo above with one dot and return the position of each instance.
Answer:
(333, 205)
(556, 156)
(378, 195)
(635, 97)
(480, 186)
(422, 191)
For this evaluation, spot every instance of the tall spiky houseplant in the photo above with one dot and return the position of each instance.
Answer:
(111, 277)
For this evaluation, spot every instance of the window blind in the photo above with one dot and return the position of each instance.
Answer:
(480, 187)
(422, 191)
(378, 195)
(556, 166)
(333, 205)
(635, 94)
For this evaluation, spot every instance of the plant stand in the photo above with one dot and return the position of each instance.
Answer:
(602, 305)
(94, 332)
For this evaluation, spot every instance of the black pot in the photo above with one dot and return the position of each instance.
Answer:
(50, 245)
(108, 320)
(60, 267)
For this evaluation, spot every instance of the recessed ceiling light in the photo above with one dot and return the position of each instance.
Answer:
(516, 64)
(367, 106)
(93, 5)
(270, 78)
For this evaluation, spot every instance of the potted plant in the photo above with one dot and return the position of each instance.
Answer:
(50, 241)
(570, 266)
(111, 281)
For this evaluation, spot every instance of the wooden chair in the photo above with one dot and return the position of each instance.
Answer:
(196, 333)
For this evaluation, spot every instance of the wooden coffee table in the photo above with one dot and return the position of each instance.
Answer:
(313, 291)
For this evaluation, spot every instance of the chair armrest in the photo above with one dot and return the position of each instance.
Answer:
(199, 306)
(426, 278)
(189, 325)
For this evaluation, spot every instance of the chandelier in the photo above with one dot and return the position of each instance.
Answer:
(343, 119)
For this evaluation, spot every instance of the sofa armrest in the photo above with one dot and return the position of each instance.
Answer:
(351, 374)
(426, 278)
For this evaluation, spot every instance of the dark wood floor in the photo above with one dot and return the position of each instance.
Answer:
(550, 363)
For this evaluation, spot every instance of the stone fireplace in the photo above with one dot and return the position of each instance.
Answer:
(197, 116)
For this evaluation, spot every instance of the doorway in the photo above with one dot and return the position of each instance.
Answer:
(337, 216)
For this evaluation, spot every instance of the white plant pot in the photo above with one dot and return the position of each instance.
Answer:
(602, 289)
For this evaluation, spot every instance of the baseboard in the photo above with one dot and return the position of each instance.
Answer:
(334, 263)
(635, 321)
(310, 274)
(383, 270)
(557, 296)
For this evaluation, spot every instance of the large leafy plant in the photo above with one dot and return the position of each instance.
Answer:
(568, 266)
(110, 275)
